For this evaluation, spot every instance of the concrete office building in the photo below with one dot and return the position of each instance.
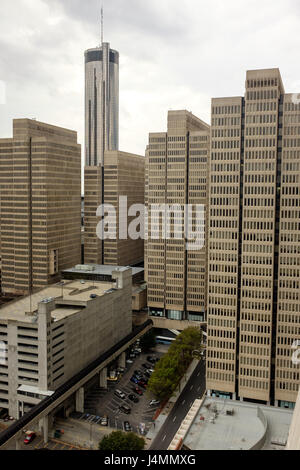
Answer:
(49, 337)
(40, 197)
(254, 235)
(101, 103)
(177, 165)
(293, 442)
(123, 174)
(96, 272)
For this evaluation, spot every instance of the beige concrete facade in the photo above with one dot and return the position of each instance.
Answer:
(293, 442)
(123, 174)
(253, 259)
(176, 175)
(56, 332)
(40, 194)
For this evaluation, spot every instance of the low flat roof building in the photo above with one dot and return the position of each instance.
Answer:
(222, 424)
(99, 272)
(48, 337)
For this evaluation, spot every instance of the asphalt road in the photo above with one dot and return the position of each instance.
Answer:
(193, 390)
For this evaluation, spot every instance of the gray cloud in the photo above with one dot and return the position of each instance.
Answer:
(173, 54)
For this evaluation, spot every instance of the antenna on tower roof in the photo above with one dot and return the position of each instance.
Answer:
(102, 24)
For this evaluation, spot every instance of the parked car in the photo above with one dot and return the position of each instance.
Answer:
(151, 359)
(138, 376)
(112, 376)
(133, 398)
(120, 394)
(154, 403)
(125, 409)
(127, 426)
(137, 352)
(142, 384)
(104, 421)
(30, 435)
(134, 379)
(129, 361)
(148, 373)
(146, 366)
(137, 390)
(138, 372)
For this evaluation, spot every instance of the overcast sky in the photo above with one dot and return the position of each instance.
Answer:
(173, 55)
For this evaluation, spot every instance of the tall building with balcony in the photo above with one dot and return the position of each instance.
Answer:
(177, 175)
(40, 199)
(254, 235)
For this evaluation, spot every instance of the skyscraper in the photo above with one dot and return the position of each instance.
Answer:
(101, 103)
(108, 172)
(176, 174)
(254, 236)
(123, 174)
(40, 204)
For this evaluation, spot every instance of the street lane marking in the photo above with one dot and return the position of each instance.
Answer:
(192, 387)
(165, 438)
(183, 402)
(174, 419)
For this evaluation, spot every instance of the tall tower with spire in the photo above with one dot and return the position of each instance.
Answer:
(101, 101)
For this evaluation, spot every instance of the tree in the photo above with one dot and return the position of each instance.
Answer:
(171, 368)
(148, 341)
(118, 440)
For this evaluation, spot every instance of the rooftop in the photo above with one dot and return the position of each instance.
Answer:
(70, 296)
(99, 269)
(234, 425)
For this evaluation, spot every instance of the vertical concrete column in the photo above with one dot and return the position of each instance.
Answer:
(44, 428)
(79, 406)
(276, 403)
(122, 360)
(12, 363)
(103, 378)
(44, 331)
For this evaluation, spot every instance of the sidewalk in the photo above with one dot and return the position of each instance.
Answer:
(160, 420)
